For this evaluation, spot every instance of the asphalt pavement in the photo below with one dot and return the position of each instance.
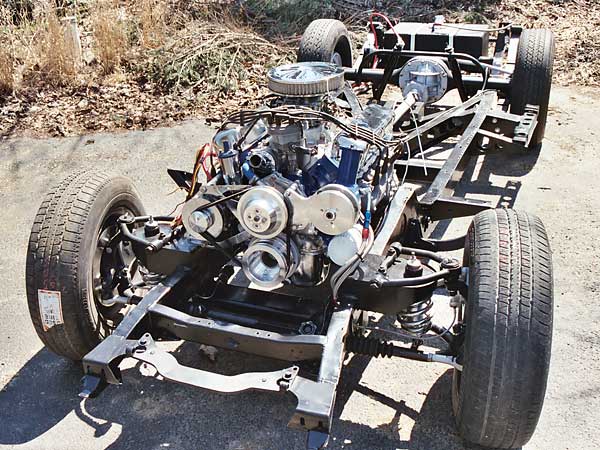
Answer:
(382, 404)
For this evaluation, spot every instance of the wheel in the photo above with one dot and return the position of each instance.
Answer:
(76, 262)
(326, 40)
(498, 396)
(532, 78)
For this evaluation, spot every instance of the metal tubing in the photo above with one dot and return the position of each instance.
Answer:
(419, 252)
(416, 281)
(475, 82)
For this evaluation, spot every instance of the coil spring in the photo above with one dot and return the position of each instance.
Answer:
(369, 346)
(416, 319)
(151, 278)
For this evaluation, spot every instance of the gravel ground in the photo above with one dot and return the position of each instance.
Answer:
(382, 404)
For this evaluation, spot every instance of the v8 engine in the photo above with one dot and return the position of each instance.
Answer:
(309, 186)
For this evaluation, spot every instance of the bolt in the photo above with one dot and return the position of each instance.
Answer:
(450, 263)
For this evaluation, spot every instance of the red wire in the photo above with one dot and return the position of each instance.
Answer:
(203, 159)
(389, 22)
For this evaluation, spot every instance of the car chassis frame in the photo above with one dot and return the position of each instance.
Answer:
(154, 317)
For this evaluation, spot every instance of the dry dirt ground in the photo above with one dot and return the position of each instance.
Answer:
(382, 404)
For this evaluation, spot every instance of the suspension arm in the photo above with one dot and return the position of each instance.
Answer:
(379, 348)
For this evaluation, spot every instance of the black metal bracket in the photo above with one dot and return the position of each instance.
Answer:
(413, 237)
(103, 361)
(316, 399)
(525, 129)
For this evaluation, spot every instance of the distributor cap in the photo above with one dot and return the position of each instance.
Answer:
(305, 79)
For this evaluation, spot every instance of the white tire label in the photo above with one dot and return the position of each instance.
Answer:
(50, 308)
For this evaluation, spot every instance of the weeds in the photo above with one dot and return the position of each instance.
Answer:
(153, 27)
(215, 58)
(289, 16)
(17, 11)
(55, 53)
(6, 70)
(110, 36)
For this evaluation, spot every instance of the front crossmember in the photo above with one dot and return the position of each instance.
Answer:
(316, 397)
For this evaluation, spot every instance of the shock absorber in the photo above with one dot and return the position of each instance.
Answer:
(416, 319)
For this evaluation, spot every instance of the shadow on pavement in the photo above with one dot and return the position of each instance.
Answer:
(156, 414)
(477, 179)
(39, 396)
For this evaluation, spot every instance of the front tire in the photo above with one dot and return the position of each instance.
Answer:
(498, 396)
(73, 251)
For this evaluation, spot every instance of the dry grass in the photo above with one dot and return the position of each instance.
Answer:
(6, 69)
(148, 62)
(110, 35)
(216, 56)
(153, 26)
(54, 52)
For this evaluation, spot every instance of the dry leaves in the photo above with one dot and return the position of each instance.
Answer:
(156, 62)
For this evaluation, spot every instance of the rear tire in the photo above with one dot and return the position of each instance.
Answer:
(63, 254)
(498, 396)
(532, 79)
(326, 40)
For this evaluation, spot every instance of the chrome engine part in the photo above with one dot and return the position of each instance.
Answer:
(426, 77)
(311, 269)
(344, 246)
(308, 79)
(262, 212)
(266, 262)
(196, 223)
(333, 209)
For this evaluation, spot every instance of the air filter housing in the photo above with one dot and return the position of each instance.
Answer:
(305, 79)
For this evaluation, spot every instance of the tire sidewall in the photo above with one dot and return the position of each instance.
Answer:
(469, 301)
(523, 91)
(332, 38)
(497, 399)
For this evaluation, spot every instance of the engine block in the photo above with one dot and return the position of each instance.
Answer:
(308, 185)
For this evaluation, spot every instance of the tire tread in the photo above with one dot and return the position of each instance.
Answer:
(509, 329)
